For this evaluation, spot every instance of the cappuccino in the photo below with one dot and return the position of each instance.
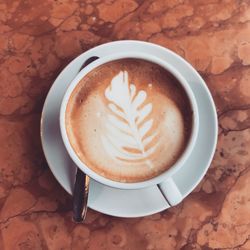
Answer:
(129, 120)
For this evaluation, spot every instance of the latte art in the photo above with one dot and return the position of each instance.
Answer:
(128, 120)
(128, 126)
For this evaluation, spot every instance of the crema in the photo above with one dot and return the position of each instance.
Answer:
(129, 120)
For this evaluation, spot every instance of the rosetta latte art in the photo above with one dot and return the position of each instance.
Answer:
(127, 120)
(129, 137)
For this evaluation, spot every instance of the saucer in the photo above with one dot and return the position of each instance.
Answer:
(130, 203)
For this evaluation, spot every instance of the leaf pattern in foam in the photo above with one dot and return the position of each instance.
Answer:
(129, 136)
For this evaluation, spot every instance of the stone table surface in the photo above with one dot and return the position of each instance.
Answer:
(38, 38)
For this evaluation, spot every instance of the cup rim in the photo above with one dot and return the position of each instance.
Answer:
(152, 181)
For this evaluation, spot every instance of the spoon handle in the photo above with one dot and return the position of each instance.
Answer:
(80, 196)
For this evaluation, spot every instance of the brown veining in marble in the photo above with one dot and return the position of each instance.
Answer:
(38, 38)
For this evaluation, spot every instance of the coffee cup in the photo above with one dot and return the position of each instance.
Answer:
(116, 94)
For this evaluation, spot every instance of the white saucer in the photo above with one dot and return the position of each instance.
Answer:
(129, 203)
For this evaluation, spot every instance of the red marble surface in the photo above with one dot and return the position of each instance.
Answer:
(38, 38)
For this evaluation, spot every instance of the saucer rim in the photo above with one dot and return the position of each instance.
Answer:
(200, 81)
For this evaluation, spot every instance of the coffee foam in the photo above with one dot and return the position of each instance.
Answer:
(127, 120)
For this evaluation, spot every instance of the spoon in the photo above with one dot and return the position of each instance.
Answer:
(81, 186)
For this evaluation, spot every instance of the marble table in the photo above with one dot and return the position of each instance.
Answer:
(38, 38)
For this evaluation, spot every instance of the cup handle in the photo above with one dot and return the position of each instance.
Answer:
(170, 192)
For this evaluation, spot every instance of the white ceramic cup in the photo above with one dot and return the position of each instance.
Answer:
(163, 181)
